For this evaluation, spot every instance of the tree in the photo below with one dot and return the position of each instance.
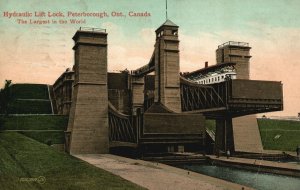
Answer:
(5, 97)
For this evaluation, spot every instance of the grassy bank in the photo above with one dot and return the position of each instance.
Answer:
(279, 134)
(48, 129)
(210, 125)
(35, 122)
(29, 107)
(27, 99)
(23, 158)
(29, 91)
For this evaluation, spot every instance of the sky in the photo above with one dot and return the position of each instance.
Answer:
(33, 53)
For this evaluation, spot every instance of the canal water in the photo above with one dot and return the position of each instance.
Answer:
(256, 180)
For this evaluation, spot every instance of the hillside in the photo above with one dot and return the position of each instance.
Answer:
(48, 129)
(29, 99)
(28, 164)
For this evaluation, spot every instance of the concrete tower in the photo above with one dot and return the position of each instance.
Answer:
(244, 130)
(236, 52)
(167, 84)
(88, 120)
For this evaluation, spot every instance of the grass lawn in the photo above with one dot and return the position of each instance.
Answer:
(210, 125)
(41, 123)
(23, 99)
(23, 159)
(279, 134)
(35, 122)
(29, 107)
(46, 137)
(266, 124)
(275, 134)
(29, 91)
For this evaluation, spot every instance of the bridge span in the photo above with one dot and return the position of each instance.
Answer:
(236, 98)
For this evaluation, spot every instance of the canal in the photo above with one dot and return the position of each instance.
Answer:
(257, 180)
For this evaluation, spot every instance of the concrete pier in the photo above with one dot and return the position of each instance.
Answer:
(88, 120)
(245, 129)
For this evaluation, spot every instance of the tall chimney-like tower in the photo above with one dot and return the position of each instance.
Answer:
(88, 121)
(167, 84)
(245, 132)
(206, 64)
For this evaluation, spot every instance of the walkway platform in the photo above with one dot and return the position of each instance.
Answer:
(156, 176)
(291, 169)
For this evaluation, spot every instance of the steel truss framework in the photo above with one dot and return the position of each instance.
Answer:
(121, 128)
(216, 101)
(199, 97)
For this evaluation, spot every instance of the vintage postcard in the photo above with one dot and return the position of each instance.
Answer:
(162, 94)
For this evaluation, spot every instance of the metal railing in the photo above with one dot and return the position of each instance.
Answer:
(92, 29)
(233, 43)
